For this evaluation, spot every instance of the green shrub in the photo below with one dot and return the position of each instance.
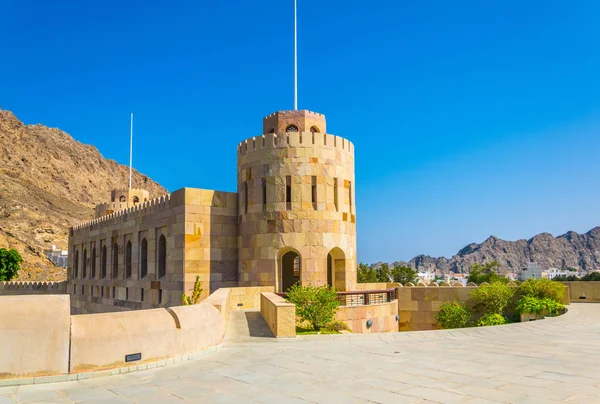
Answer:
(196, 292)
(454, 315)
(543, 306)
(492, 319)
(315, 305)
(543, 288)
(337, 326)
(492, 298)
(10, 264)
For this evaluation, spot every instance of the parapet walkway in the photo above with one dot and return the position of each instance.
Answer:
(548, 361)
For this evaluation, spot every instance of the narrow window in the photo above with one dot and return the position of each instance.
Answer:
(264, 193)
(136, 200)
(350, 194)
(335, 193)
(74, 289)
(126, 293)
(144, 259)
(76, 264)
(83, 289)
(93, 275)
(128, 260)
(162, 256)
(84, 264)
(246, 197)
(142, 296)
(114, 292)
(103, 263)
(115, 264)
(314, 191)
(159, 296)
(288, 190)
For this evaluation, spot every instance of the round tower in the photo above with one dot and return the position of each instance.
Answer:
(297, 218)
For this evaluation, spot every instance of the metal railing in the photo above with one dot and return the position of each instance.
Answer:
(362, 297)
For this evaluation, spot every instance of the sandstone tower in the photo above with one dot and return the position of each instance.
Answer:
(122, 199)
(297, 219)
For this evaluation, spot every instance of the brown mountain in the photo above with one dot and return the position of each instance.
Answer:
(571, 250)
(49, 182)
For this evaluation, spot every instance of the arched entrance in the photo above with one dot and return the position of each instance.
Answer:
(336, 269)
(290, 270)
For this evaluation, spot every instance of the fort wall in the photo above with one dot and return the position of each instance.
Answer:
(33, 288)
(584, 292)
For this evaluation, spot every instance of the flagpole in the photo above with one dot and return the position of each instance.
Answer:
(130, 148)
(295, 60)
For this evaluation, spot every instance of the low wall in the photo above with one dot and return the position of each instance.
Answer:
(376, 286)
(220, 298)
(584, 292)
(34, 336)
(279, 314)
(33, 288)
(382, 315)
(244, 298)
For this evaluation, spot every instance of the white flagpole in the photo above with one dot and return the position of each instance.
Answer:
(295, 61)
(130, 148)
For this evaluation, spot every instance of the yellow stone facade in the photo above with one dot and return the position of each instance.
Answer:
(292, 219)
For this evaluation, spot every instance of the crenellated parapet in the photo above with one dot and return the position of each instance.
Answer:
(141, 209)
(27, 288)
(295, 139)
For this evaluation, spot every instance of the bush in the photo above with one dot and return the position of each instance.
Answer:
(454, 315)
(492, 319)
(337, 326)
(493, 298)
(543, 288)
(196, 292)
(315, 305)
(536, 305)
(10, 264)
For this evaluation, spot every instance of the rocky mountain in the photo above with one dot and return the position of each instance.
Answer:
(49, 182)
(581, 251)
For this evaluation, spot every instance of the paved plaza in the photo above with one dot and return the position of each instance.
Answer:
(547, 361)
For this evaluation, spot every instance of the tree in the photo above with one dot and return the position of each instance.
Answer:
(366, 274)
(315, 305)
(383, 273)
(10, 263)
(591, 276)
(196, 292)
(480, 273)
(493, 298)
(404, 274)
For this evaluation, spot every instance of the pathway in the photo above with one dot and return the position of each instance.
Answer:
(547, 361)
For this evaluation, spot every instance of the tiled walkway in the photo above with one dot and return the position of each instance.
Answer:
(553, 360)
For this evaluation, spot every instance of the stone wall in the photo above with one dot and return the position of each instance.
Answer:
(382, 315)
(310, 165)
(33, 288)
(243, 298)
(279, 314)
(200, 230)
(584, 292)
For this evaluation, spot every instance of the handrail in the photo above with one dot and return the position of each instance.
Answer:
(361, 297)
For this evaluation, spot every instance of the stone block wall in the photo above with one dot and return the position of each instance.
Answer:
(382, 315)
(279, 314)
(200, 232)
(584, 292)
(33, 288)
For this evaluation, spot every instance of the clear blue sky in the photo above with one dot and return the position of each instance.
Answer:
(468, 118)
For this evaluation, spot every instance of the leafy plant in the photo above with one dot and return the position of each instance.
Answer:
(488, 272)
(492, 298)
(454, 315)
(542, 288)
(315, 305)
(196, 292)
(536, 305)
(404, 274)
(10, 263)
(337, 326)
(492, 319)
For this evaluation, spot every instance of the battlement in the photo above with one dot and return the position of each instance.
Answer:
(295, 139)
(30, 288)
(304, 111)
(294, 121)
(158, 204)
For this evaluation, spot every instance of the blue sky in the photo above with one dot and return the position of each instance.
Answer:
(468, 118)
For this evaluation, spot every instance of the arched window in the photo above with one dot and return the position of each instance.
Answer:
(136, 200)
(291, 128)
(314, 129)
(84, 264)
(115, 256)
(144, 259)
(76, 265)
(128, 260)
(103, 263)
(122, 198)
(162, 256)
(93, 274)
(290, 270)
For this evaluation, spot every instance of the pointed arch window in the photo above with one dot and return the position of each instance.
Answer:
(128, 260)
(144, 259)
(115, 259)
(162, 256)
(76, 264)
(291, 128)
(93, 264)
(103, 262)
(83, 265)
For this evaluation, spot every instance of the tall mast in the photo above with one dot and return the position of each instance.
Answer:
(295, 60)
(130, 148)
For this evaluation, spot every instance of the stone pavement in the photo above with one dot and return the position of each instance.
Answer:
(552, 360)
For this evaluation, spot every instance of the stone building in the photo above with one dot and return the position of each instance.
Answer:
(292, 220)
